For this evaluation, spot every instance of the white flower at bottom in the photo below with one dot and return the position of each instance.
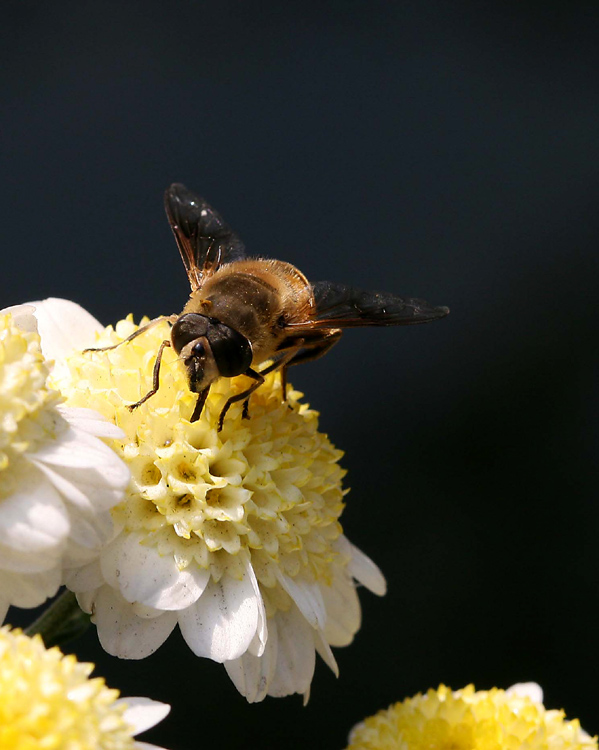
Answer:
(58, 480)
(232, 535)
(48, 701)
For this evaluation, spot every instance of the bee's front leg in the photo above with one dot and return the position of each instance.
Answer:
(134, 335)
(155, 377)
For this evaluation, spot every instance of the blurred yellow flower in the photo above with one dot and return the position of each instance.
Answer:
(48, 701)
(513, 719)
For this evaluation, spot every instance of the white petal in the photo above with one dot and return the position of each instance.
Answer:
(78, 449)
(258, 643)
(177, 591)
(86, 532)
(251, 674)
(307, 596)
(30, 590)
(86, 528)
(90, 421)
(30, 561)
(143, 575)
(364, 570)
(143, 713)
(22, 316)
(67, 489)
(115, 471)
(222, 623)
(527, 690)
(64, 326)
(86, 578)
(111, 561)
(76, 555)
(142, 610)
(295, 657)
(146, 746)
(88, 489)
(91, 525)
(4, 605)
(325, 653)
(89, 528)
(33, 517)
(86, 600)
(122, 633)
(343, 610)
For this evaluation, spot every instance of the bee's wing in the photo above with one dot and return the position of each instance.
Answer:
(342, 306)
(204, 240)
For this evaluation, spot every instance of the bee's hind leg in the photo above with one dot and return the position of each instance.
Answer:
(302, 350)
(283, 362)
(308, 351)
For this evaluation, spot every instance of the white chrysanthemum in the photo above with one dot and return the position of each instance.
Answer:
(58, 479)
(232, 535)
(513, 719)
(47, 700)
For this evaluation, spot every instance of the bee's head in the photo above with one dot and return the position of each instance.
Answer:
(209, 349)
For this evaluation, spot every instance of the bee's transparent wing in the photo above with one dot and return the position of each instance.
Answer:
(204, 240)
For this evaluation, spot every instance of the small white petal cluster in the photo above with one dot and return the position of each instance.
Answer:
(142, 714)
(58, 478)
(232, 535)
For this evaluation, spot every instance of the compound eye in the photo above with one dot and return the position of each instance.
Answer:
(199, 350)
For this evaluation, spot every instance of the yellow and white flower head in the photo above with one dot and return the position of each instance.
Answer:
(232, 535)
(47, 700)
(58, 479)
(513, 719)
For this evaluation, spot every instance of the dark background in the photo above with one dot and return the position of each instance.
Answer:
(443, 150)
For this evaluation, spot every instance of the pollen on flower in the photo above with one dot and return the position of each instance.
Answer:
(26, 413)
(467, 719)
(47, 700)
(268, 486)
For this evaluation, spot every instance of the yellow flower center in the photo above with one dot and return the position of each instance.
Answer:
(469, 720)
(48, 702)
(27, 415)
(268, 486)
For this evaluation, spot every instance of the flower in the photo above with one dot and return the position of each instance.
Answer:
(513, 719)
(58, 480)
(232, 535)
(47, 700)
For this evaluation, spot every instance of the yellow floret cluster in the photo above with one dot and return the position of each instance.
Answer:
(469, 720)
(269, 485)
(48, 701)
(26, 403)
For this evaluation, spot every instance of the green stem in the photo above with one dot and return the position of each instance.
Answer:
(62, 622)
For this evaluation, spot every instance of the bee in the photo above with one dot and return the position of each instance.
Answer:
(244, 312)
